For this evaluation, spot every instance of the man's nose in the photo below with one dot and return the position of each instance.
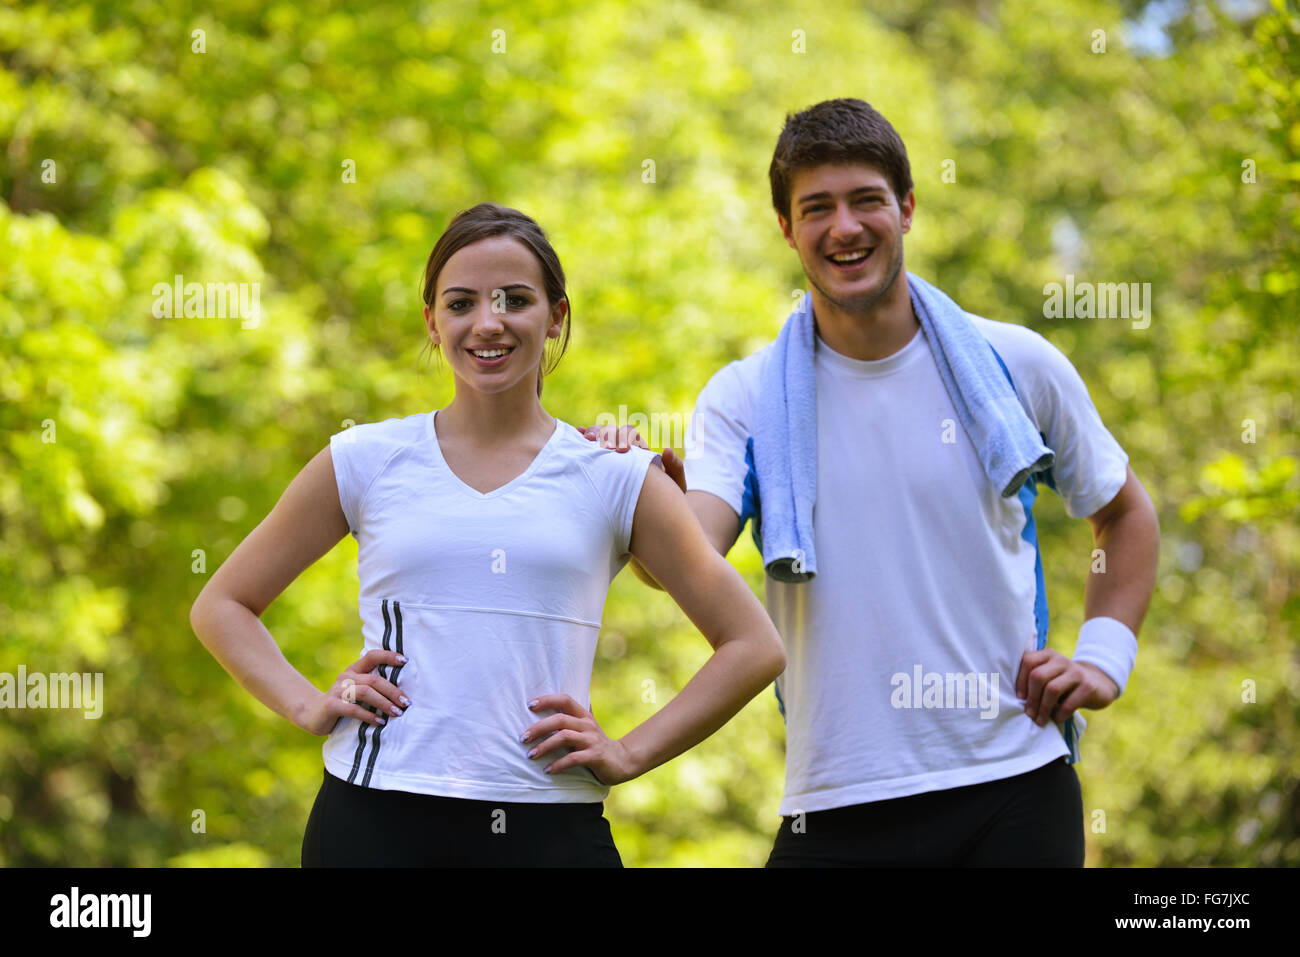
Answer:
(845, 225)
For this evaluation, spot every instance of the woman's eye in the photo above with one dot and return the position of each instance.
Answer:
(518, 301)
(455, 305)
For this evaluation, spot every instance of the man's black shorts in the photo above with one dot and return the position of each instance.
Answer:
(1030, 820)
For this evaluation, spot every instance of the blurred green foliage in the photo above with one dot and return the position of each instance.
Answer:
(138, 451)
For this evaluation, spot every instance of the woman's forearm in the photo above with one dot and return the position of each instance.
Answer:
(736, 671)
(241, 643)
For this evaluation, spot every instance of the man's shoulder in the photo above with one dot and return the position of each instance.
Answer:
(1029, 356)
(742, 376)
(1009, 336)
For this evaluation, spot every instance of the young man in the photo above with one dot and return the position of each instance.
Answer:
(921, 704)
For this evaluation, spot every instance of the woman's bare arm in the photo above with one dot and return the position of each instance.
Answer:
(747, 655)
(305, 523)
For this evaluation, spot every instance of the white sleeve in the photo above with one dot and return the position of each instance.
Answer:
(721, 426)
(360, 453)
(345, 449)
(1090, 466)
(618, 477)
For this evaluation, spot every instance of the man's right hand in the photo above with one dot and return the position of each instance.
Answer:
(622, 439)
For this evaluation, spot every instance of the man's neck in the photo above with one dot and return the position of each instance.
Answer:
(875, 334)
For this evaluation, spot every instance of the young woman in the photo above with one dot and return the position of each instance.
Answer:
(488, 533)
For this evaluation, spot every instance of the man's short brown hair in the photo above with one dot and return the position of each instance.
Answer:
(837, 131)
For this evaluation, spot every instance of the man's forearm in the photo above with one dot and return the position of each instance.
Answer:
(1129, 545)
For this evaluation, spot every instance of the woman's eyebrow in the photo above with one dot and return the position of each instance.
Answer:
(472, 292)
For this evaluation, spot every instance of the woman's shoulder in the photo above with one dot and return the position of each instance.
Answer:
(398, 429)
(609, 471)
(574, 445)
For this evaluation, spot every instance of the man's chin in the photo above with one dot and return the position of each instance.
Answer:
(856, 301)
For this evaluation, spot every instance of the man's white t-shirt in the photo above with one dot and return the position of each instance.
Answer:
(902, 652)
(494, 599)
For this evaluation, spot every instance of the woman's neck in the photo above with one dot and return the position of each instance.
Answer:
(492, 419)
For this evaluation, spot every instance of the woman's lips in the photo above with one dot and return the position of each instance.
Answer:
(490, 363)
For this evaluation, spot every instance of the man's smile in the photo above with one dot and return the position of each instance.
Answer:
(850, 260)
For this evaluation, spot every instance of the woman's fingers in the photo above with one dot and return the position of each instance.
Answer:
(387, 691)
(375, 657)
(564, 703)
(362, 684)
(556, 722)
(561, 739)
(340, 705)
(359, 693)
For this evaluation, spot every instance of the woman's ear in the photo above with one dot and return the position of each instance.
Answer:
(558, 313)
(433, 330)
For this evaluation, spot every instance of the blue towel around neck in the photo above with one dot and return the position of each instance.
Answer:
(785, 434)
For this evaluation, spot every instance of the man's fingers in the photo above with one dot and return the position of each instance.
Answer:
(1028, 662)
(1053, 692)
(614, 437)
(674, 467)
(1071, 703)
(1037, 680)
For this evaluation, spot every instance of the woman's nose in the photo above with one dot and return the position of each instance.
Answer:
(487, 320)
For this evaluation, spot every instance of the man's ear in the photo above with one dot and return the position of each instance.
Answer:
(906, 208)
(785, 231)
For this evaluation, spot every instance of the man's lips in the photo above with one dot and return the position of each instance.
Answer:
(851, 266)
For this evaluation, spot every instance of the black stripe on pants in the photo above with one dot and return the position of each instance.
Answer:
(354, 826)
(1029, 820)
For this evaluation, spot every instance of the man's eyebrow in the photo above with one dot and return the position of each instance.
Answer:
(826, 195)
(473, 292)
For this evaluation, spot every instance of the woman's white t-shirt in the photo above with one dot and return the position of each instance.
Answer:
(494, 598)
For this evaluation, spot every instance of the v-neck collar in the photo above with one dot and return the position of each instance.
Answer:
(501, 489)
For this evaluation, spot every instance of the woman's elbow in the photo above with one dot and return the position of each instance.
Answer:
(775, 660)
(199, 615)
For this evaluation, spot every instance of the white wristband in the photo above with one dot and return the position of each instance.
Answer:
(1110, 645)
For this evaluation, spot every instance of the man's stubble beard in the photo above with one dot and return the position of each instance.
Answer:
(863, 308)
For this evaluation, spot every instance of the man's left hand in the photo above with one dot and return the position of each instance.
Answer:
(1053, 686)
